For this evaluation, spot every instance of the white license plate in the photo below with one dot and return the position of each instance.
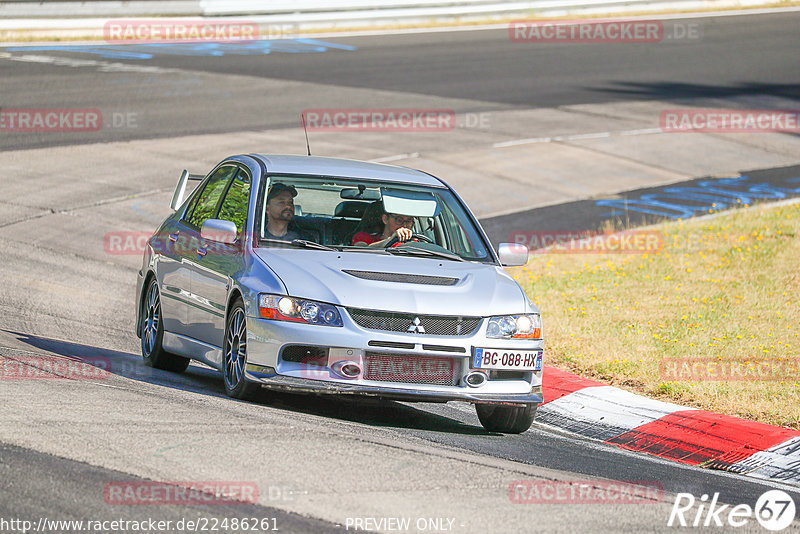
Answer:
(517, 360)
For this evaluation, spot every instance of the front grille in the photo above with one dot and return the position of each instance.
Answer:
(391, 345)
(444, 348)
(403, 277)
(436, 325)
(409, 369)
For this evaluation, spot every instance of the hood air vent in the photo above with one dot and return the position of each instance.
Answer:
(404, 278)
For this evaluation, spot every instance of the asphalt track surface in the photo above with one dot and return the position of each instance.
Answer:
(681, 200)
(466, 71)
(748, 56)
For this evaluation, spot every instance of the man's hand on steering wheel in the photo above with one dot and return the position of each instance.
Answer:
(403, 235)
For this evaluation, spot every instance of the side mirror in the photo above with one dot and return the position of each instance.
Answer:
(219, 231)
(512, 254)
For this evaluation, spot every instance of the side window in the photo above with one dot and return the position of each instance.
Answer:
(237, 199)
(206, 205)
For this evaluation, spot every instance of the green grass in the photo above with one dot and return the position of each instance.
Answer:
(721, 290)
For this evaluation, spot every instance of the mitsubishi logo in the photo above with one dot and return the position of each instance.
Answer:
(416, 326)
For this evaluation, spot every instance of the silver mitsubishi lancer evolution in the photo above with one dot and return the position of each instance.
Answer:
(333, 276)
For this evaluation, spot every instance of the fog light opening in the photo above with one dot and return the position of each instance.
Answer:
(475, 379)
(347, 369)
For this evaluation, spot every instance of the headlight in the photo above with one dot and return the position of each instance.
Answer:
(515, 327)
(296, 310)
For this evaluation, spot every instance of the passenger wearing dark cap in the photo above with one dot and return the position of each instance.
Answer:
(280, 212)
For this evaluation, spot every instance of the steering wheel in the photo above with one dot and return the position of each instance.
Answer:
(414, 237)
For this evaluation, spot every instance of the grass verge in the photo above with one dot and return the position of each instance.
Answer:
(722, 292)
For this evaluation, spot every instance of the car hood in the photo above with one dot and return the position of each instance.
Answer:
(479, 289)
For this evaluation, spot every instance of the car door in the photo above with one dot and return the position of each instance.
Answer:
(200, 308)
(174, 249)
(214, 271)
(174, 277)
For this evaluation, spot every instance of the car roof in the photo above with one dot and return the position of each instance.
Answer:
(345, 168)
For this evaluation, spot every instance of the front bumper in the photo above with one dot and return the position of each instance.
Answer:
(301, 385)
(267, 339)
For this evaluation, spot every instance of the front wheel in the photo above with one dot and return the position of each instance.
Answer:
(506, 419)
(235, 355)
(153, 352)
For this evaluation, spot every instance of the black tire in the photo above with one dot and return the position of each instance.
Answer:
(234, 355)
(506, 419)
(153, 352)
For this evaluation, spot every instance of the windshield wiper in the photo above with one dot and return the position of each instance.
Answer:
(312, 244)
(304, 243)
(359, 248)
(416, 251)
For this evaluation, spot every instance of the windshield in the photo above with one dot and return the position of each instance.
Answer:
(364, 215)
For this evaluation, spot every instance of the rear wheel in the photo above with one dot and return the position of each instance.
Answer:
(506, 419)
(235, 355)
(153, 333)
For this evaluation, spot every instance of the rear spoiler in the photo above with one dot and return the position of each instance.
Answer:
(180, 190)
